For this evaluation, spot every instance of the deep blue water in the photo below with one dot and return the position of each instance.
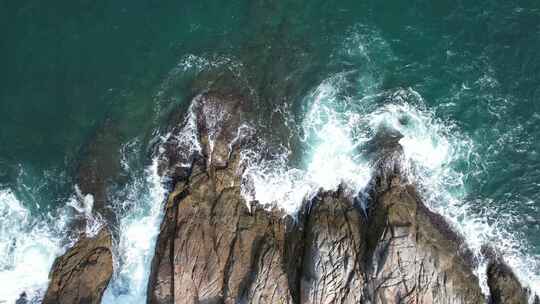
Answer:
(72, 69)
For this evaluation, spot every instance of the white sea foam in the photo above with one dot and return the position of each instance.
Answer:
(330, 157)
(83, 204)
(335, 127)
(28, 247)
(433, 149)
(188, 138)
(438, 158)
(138, 230)
(29, 243)
(141, 210)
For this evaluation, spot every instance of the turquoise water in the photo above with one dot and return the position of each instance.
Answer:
(468, 74)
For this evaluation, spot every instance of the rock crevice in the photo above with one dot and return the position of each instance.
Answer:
(214, 247)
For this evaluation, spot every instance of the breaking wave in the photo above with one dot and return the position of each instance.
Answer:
(438, 158)
(339, 118)
(140, 215)
(29, 243)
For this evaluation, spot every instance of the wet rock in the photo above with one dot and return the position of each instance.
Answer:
(23, 299)
(99, 168)
(212, 248)
(503, 284)
(386, 157)
(83, 272)
(414, 256)
(209, 131)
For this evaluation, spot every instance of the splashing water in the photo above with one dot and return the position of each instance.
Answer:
(437, 156)
(433, 150)
(335, 127)
(83, 204)
(29, 244)
(138, 230)
(28, 247)
(330, 154)
(336, 124)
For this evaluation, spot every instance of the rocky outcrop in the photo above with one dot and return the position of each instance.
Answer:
(414, 256)
(334, 241)
(214, 247)
(503, 283)
(83, 272)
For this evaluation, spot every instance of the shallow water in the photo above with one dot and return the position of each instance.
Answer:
(459, 80)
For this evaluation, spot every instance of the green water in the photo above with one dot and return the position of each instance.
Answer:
(68, 68)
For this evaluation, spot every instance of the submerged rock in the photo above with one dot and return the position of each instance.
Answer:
(99, 168)
(83, 272)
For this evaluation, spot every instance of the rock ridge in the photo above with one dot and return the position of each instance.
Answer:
(82, 274)
(215, 247)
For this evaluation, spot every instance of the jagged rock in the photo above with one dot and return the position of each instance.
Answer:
(83, 272)
(333, 265)
(210, 129)
(503, 284)
(212, 248)
(414, 256)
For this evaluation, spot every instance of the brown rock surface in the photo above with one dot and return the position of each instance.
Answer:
(415, 257)
(504, 285)
(333, 270)
(83, 272)
(213, 249)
